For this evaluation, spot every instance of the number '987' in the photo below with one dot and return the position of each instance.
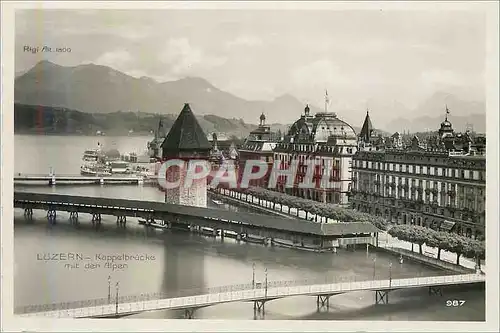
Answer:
(454, 303)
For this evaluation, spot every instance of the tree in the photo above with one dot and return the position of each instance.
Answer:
(458, 245)
(478, 251)
(399, 232)
(422, 236)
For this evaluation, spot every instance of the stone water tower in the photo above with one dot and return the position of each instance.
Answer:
(186, 141)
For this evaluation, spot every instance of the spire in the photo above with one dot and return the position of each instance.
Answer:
(447, 112)
(367, 129)
(160, 133)
(262, 119)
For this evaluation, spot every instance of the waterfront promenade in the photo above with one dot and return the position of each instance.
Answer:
(385, 240)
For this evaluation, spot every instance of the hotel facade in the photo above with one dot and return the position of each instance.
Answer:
(326, 141)
(439, 183)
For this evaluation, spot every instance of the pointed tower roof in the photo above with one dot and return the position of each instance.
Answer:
(367, 129)
(160, 133)
(186, 133)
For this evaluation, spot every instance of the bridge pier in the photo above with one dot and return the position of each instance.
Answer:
(189, 313)
(51, 216)
(259, 306)
(96, 218)
(381, 296)
(121, 220)
(222, 234)
(435, 290)
(28, 213)
(73, 217)
(195, 228)
(323, 301)
(150, 220)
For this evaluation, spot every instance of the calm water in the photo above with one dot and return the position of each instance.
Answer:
(184, 261)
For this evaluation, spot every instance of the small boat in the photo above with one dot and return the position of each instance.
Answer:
(217, 202)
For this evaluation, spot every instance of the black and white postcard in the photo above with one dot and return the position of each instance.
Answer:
(249, 166)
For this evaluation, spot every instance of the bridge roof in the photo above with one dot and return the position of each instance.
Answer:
(259, 220)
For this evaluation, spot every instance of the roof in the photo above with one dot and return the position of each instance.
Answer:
(320, 127)
(257, 220)
(367, 128)
(343, 228)
(186, 133)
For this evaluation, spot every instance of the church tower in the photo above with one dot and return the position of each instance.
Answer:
(367, 129)
(186, 141)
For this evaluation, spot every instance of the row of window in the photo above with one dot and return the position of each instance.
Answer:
(311, 149)
(424, 183)
(422, 170)
(440, 200)
(287, 158)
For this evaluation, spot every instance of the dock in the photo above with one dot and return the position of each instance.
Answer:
(52, 180)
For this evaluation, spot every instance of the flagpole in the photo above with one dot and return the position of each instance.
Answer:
(327, 100)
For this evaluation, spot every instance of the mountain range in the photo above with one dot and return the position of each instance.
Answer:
(99, 89)
(429, 114)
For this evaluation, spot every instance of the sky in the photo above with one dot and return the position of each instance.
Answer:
(361, 57)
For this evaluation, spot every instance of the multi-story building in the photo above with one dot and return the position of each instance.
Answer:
(439, 183)
(325, 140)
(258, 145)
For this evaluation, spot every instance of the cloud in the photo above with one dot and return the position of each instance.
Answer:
(249, 90)
(440, 76)
(118, 59)
(244, 40)
(320, 72)
(185, 58)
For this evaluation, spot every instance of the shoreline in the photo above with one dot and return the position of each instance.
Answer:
(414, 256)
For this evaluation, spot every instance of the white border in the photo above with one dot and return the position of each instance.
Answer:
(9, 323)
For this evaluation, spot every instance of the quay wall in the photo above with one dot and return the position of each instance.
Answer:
(423, 259)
